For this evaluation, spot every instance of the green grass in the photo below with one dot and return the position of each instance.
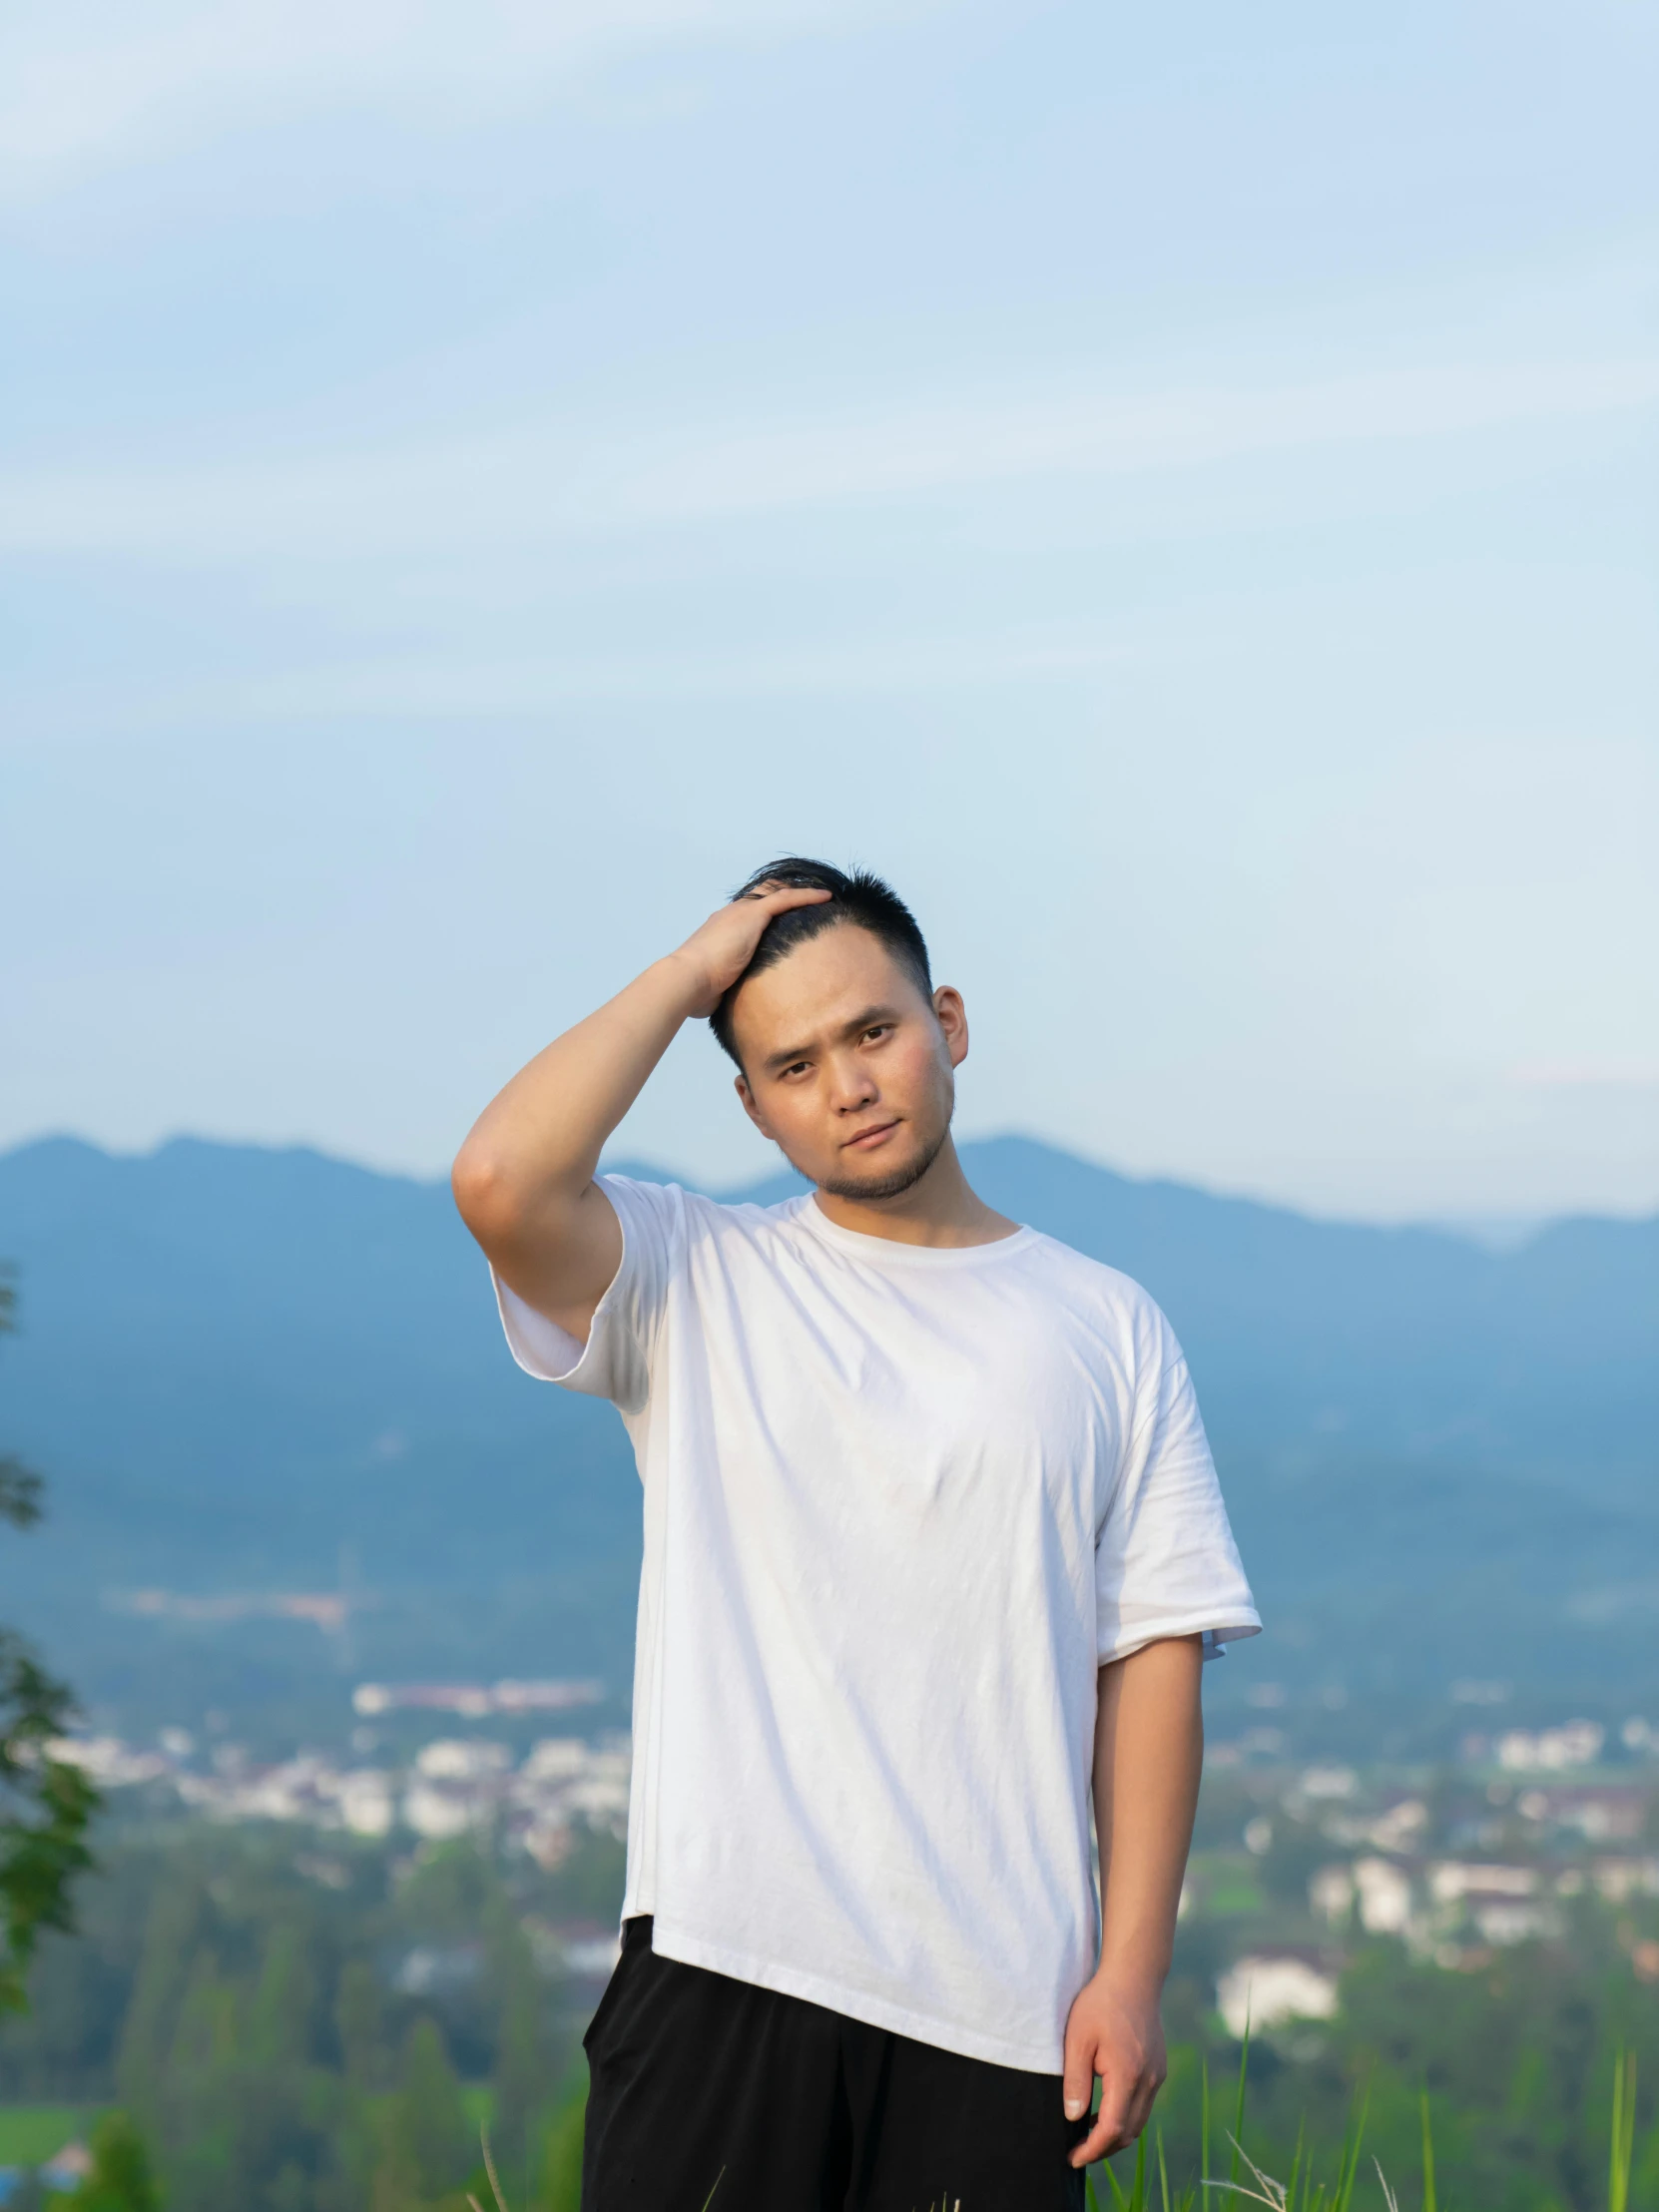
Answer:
(1301, 2192)
(32, 2133)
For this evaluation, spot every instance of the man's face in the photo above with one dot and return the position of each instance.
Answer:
(847, 1066)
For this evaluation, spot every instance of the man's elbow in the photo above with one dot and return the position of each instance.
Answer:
(485, 1195)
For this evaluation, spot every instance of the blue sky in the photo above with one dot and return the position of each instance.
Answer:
(1176, 490)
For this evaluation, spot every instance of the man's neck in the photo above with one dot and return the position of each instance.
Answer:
(941, 1207)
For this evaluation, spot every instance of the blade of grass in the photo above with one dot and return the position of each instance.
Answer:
(1237, 2115)
(1273, 2203)
(1348, 2171)
(1429, 2203)
(1267, 2191)
(489, 2168)
(1297, 2174)
(1163, 2172)
(1204, 2122)
(1624, 2132)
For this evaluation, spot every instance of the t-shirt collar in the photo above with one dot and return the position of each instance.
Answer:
(888, 1251)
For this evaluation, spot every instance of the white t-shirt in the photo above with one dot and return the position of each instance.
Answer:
(900, 1503)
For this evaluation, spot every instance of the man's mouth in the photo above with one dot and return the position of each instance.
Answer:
(867, 1139)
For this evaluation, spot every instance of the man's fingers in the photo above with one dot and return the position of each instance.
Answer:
(1077, 2082)
(1140, 2109)
(1095, 2145)
(1106, 2134)
(1151, 2085)
(727, 940)
(778, 898)
(1123, 2115)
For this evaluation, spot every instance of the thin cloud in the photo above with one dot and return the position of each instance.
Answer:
(87, 83)
(412, 690)
(1124, 433)
(542, 485)
(1584, 1075)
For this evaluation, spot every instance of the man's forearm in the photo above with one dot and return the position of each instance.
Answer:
(540, 1138)
(523, 1180)
(1149, 1754)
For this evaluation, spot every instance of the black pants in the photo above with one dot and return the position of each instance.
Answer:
(712, 2092)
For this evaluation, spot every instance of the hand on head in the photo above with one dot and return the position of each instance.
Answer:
(717, 954)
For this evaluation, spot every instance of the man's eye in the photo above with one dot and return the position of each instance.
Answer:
(880, 1029)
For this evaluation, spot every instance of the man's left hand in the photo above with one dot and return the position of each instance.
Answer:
(1113, 2032)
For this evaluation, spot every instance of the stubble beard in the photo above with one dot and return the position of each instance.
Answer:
(867, 1190)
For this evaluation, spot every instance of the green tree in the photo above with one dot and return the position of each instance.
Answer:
(219, 2059)
(360, 2032)
(45, 1803)
(121, 2179)
(173, 1931)
(523, 2079)
(285, 1999)
(359, 2025)
(396, 2183)
(561, 2169)
(429, 2137)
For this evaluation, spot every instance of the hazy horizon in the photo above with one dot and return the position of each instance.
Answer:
(1495, 1231)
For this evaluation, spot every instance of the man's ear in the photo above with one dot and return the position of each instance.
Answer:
(740, 1083)
(952, 1016)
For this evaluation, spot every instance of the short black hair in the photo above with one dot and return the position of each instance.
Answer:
(855, 896)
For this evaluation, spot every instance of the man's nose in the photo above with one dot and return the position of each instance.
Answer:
(851, 1085)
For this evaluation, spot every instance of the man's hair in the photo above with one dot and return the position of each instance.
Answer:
(855, 896)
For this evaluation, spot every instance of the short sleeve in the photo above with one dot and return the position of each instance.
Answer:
(1165, 1560)
(615, 1362)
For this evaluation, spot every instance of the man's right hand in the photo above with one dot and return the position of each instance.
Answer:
(713, 957)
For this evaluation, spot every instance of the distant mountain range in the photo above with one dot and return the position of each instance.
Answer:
(245, 1370)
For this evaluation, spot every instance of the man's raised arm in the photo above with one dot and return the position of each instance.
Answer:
(523, 1180)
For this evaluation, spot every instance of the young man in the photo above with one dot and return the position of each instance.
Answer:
(932, 1545)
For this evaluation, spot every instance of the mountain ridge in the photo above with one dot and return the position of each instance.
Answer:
(239, 1364)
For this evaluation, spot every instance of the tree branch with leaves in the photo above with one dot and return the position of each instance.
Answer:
(46, 1802)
